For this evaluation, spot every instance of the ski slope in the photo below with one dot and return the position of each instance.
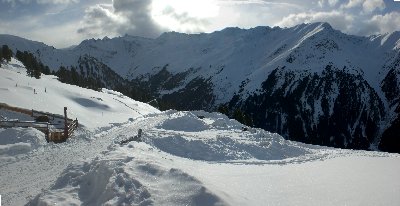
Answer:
(183, 158)
(93, 109)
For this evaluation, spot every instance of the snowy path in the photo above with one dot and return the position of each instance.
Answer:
(27, 164)
(40, 168)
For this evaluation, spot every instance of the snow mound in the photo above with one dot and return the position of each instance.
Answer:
(234, 145)
(184, 121)
(15, 141)
(197, 121)
(207, 136)
(117, 178)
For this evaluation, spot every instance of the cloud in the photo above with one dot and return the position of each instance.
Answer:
(357, 17)
(367, 5)
(122, 17)
(337, 19)
(273, 3)
(380, 24)
(186, 22)
(32, 28)
(352, 4)
(14, 2)
(331, 3)
(48, 20)
(100, 20)
(148, 18)
(371, 5)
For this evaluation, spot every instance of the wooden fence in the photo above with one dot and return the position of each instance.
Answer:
(16, 109)
(59, 132)
(60, 135)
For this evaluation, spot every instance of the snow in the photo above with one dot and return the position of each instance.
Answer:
(19, 141)
(178, 167)
(182, 158)
(93, 109)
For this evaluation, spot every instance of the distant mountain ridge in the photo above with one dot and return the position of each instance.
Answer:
(309, 83)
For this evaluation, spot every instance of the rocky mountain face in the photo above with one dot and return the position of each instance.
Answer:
(309, 83)
(333, 108)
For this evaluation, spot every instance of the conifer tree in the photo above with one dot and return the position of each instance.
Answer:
(6, 53)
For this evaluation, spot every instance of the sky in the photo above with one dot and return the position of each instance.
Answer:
(63, 23)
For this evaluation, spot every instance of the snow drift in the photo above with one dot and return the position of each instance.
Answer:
(200, 158)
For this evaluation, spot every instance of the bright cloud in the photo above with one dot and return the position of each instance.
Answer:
(383, 23)
(371, 5)
(367, 5)
(337, 19)
(184, 15)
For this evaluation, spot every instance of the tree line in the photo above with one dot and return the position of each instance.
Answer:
(72, 76)
(5, 54)
(34, 67)
(236, 113)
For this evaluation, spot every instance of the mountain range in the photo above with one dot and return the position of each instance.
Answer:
(309, 83)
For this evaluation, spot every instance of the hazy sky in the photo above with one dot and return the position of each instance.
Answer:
(63, 23)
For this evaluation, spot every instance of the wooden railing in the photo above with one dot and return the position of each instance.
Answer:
(60, 135)
(36, 113)
(16, 109)
(57, 134)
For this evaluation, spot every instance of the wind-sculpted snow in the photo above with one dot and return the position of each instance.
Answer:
(213, 137)
(130, 174)
(122, 177)
(185, 123)
(17, 141)
(200, 158)
(96, 183)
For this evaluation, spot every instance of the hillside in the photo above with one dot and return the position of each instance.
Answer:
(93, 109)
(182, 158)
(309, 83)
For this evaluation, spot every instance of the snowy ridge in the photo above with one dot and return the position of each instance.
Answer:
(229, 56)
(243, 54)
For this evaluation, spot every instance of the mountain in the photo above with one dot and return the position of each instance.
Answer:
(309, 83)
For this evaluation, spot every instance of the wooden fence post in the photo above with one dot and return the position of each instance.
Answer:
(47, 132)
(65, 123)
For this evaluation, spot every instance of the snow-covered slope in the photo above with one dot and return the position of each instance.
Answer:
(182, 158)
(93, 109)
(187, 160)
(316, 68)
